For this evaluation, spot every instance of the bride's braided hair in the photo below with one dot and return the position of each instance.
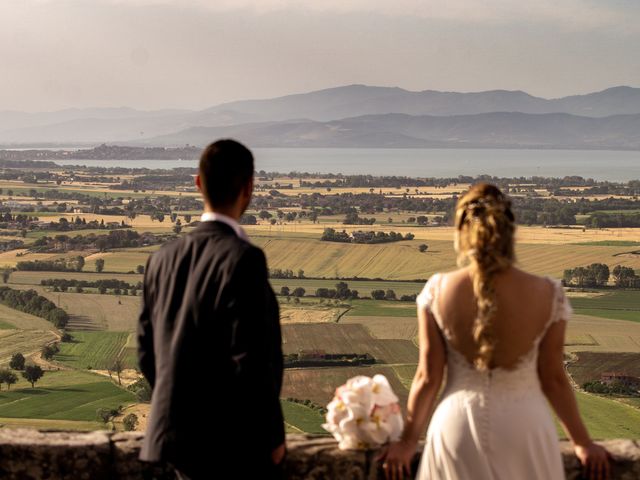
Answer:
(485, 227)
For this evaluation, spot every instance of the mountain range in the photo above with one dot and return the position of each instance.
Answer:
(355, 116)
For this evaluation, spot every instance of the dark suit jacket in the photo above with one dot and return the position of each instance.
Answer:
(210, 345)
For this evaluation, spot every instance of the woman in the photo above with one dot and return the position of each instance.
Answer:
(500, 332)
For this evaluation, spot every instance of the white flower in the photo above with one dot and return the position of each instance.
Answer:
(364, 413)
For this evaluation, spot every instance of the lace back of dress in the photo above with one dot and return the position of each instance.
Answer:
(560, 309)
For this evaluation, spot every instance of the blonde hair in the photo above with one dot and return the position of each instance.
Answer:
(485, 227)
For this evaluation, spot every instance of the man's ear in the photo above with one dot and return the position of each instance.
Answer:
(248, 189)
(198, 183)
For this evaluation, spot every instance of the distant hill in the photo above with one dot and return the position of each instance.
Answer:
(306, 113)
(500, 129)
(357, 100)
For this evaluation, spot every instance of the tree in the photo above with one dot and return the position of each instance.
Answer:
(187, 218)
(177, 228)
(48, 351)
(284, 291)
(142, 389)
(390, 295)
(79, 263)
(118, 367)
(32, 373)
(99, 265)
(299, 292)
(105, 415)
(130, 422)
(6, 273)
(8, 377)
(17, 361)
(378, 294)
(342, 290)
(140, 269)
(247, 219)
(423, 248)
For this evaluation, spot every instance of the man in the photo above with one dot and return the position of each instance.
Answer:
(209, 339)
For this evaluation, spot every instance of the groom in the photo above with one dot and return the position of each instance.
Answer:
(209, 340)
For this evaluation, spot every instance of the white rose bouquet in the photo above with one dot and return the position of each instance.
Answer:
(364, 413)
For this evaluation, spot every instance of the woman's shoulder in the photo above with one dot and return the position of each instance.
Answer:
(432, 286)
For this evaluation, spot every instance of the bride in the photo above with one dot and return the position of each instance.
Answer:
(500, 333)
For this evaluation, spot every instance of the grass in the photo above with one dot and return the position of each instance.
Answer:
(26, 342)
(606, 418)
(6, 326)
(97, 350)
(63, 395)
(615, 304)
(46, 424)
(302, 417)
(382, 308)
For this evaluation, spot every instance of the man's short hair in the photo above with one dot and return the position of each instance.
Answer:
(226, 167)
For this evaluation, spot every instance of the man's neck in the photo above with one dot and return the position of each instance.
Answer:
(229, 212)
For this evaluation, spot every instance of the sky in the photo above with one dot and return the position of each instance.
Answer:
(155, 54)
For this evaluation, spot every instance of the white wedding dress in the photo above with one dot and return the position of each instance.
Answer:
(493, 425)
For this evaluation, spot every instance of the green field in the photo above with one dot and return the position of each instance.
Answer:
(302, 418)
(382, 308)
(614, 304)
(96, 350)
(6, 326)
(63, 395)
(607, 418)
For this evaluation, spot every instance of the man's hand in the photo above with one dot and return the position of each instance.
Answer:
(278, 454)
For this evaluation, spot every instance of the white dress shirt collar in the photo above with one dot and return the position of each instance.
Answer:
(220, 217)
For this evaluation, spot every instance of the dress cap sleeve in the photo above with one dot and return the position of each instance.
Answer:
(563, 309)
(426, 296)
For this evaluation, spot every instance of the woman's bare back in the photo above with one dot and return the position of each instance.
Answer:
(524, 304)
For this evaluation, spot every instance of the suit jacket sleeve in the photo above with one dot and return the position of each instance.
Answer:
(146, 356)
(256, 343)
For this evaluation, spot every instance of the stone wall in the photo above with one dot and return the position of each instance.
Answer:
(31, 454)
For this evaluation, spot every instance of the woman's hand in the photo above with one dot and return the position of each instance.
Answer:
(396, 459)
(595, 461)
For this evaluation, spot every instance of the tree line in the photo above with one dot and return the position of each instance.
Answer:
(331, 235)
(29, 301)
(598, 274)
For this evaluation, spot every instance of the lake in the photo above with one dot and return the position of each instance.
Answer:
(609, 165)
